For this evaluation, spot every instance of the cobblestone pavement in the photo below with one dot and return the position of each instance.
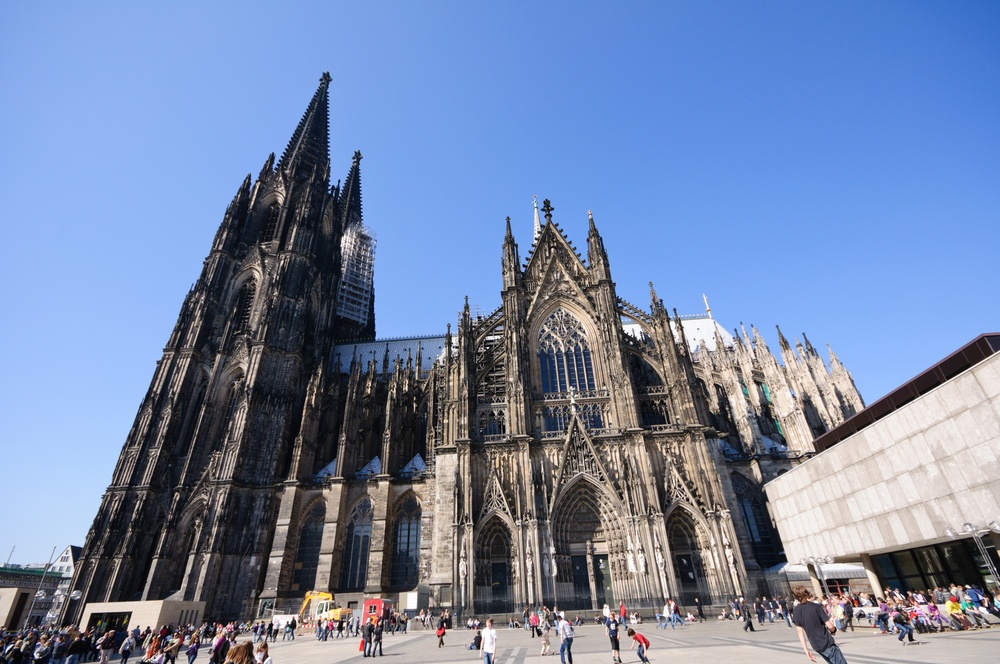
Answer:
(714, 642)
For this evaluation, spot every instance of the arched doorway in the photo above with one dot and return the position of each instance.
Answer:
(494, 575)
(590, 546)
(685, 542)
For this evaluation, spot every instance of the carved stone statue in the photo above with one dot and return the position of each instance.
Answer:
(642, 561)
(463, 567)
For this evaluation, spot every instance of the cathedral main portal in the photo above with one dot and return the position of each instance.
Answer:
(589, 538)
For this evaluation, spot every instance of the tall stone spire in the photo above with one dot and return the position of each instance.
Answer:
(350, 194)
(309, 148)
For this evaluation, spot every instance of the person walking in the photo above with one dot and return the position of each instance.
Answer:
(377, 635)
(566, 636)
(126, 650)
(701, 609)
(192, 651)
(489, 642)
(77, 650)
(546, 644)
(642, 642)
(107, 645)
(441, 630)
(611, 629)
(815, 628)
(369, 637)
(747, 616)
(785, 611)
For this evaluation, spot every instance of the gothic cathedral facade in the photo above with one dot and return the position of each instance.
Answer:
(569, 448)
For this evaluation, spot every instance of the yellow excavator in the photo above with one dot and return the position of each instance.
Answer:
(323, 608)
(323, 603)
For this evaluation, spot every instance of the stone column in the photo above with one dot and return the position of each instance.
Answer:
(866, 561)
(817, 587)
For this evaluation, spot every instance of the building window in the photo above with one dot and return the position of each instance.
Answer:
(244, 307)
(406, 546)
(270, 223)
(307, 556)
(354, 574)
(564, 354)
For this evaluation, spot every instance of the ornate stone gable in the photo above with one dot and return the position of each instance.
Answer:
(677, 490)
(553, 247)
(579, 457)
(557, 282)
(494, 500)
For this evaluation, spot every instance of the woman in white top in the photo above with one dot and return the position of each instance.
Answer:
(261, 655)
(489, 642)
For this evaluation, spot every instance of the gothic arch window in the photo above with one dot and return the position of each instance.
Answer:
(234, 398)
(643, 372)
(564, 356)
(354, 574)
(557, 418)
(654, 411)
(307, 554)
(492, 422)
(406, 545)
(244, 307)
(270, 226)
(763, 538)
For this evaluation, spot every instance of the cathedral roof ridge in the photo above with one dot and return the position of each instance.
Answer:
(360, 342)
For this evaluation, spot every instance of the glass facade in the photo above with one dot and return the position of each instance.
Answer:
(937, 565)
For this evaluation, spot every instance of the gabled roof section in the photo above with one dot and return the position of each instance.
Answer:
(555, 267)
(552, 244)
(309, 147)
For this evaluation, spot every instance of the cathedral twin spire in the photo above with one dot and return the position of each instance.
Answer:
(309, 147)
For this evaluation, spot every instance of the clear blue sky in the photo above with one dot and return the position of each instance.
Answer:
(828, 167)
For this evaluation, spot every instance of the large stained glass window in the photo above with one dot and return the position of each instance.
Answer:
(307, 555)
(564, 354)
(354, 574)
(406, 545)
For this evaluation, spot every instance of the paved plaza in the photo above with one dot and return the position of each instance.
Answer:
(711, 641)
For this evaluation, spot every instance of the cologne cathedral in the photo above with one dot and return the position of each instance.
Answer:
(568, 448)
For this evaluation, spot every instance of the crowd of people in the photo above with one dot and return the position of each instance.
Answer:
(892, 612)
(216, 643)
(953, 608)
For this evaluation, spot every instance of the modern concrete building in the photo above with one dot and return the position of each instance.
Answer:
(909, 486)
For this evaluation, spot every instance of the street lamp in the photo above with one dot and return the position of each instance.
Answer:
(40, 594)
(816, 562)
(977, 534)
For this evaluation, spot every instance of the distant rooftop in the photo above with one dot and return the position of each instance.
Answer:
(966, 357)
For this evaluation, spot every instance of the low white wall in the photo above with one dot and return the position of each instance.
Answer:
(148, 614)
(901, 481)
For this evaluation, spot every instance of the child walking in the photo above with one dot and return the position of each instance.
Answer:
(611, 627)
(546, 646)
(643, 644)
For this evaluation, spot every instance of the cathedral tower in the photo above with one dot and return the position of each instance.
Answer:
(191, 507)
